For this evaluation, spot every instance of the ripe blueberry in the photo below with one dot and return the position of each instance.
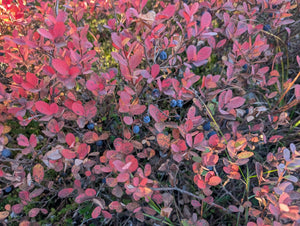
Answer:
(136, 129)
(177, 117)
(146, 119)
(245, 66)
(155, 93)
(90, 126)
(267, 27)
(163, 55)
(173, 103)
(179, 103)
(99, 143)
(7, 190)
(206, 126)
(211, 133)
(6, 153)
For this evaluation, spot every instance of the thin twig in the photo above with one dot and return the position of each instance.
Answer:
(191, 194)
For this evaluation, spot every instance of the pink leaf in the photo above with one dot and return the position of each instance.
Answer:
(96, 212)
(65, 192)
(46, 34)
(90, 192)
(61, 66)
(297, 91)
(78, 109)
(43, 107)
(204, 53)
(233, 208)
(128, 120)
(155, 70)
(191, 53)
(23, 141)
(59, 29)
(205, 20)
(119, 58)
(236, 102)
(33, 212)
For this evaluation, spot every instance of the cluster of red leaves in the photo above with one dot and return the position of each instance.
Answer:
(52, 77)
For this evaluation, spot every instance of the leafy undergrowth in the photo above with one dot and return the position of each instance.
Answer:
(149, 112)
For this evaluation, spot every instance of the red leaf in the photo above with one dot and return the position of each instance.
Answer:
(83, 150)
(81, 198)
(128, 120)
(137, 109)
(147, 170)
(90, 192)
(70, 139)
(297, 91)
(96, 212)
(233, 208)
(134, 163)
(168, 12)
(119, 58)
(163, 141)
(275, 138)
(191, 53)
(61, 66)
(33, 140)
(195, 203)
(65, 192)
(17, 208)
(59, 29)
(204, 53)
(43, 107)
(90, 110)
(213, 140)
(38, 173)
(157, 115)
(33, 212)
(214, 180)
(116, 40)
(155, 69)
(205, 20)
(68, 154)
(274, 210)
(235, 102)
(46, 34)
(78, 109)
(106, 214)
(23, 141)
(298, 60)
(123, 177)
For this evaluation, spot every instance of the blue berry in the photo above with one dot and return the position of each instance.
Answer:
(163, 55)
(267, 27)
(179, 103)
(245, 66)
(136, 129)
(104, 180)
(90, 126)
(177, 117)
(6, 153)
(206, 126)
(210, 168)
(211, 133)
(155, 93)
(8, 189)
(247, 111)
(99, 143)
(173, 103)
(146, 119)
